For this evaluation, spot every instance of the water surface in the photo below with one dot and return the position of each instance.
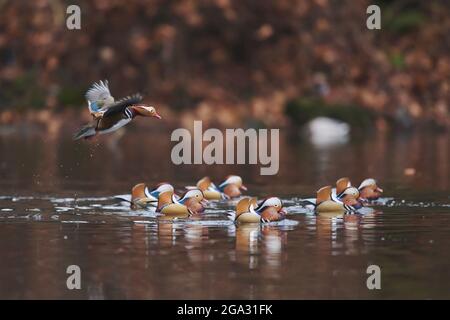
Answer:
(57, 209)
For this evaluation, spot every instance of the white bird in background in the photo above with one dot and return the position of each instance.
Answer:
(325, 132)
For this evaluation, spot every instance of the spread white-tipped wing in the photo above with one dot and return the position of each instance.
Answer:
(98, 92)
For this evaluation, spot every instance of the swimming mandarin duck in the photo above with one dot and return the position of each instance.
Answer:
(341, 185)
(209, 189)
(190, 203)
(194, 199)
(369, 190)
(324, 202)
(248, 210)
(108, 115)
(141, 197)
(232, 186)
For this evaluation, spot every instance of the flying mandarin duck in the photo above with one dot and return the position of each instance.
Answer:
(110, 115)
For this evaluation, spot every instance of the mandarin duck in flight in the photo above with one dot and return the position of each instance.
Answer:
(232, 186)
(248, 210)
(110, 115)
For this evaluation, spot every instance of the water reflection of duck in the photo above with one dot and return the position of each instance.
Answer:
(247, 236)
(267, 240)
(248, 210)
(168, 230)
(274, 239)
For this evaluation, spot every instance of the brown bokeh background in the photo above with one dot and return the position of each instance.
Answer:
(227, 62)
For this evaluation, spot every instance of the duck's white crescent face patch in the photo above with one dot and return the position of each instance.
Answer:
(232, 179)
(235, 179)
(164, 188)
(194, 193)
(351, 191)
(368, 182)
(272, 202)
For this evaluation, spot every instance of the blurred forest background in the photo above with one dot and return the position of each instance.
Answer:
(230, 62)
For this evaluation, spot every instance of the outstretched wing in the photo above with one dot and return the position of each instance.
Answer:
(119, 106)
(96, 94)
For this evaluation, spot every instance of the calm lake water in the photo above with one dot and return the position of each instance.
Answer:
(57, 209)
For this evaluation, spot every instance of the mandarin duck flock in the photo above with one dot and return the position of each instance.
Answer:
(109, 115)
(345, 198)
